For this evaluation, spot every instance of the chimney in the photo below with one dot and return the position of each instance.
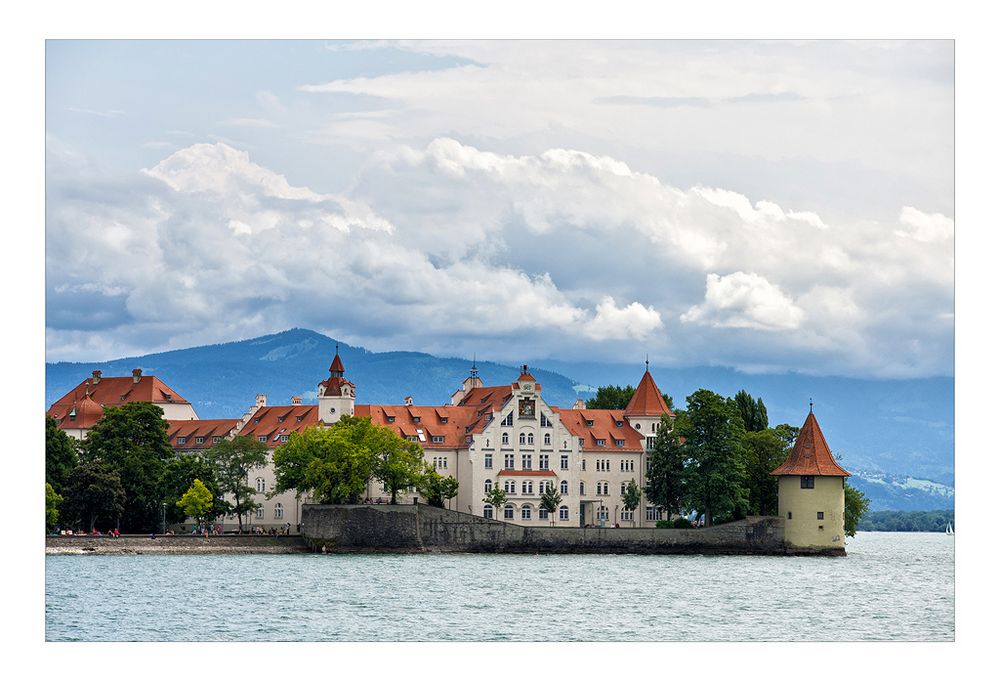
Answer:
(408, 401)
(97, 376)
(136, 375)
(296, 399)
(261, 400)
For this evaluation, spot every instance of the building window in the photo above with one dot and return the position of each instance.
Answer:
(590, 424)
(182, 440)
(807, 482)
(283, 438)
(390, 419)
(627, 514)
(619, 424)
(564, 513)
(487, 486)
(262, 438)
(437, 439)
(508, 420)
(508, 512)
(602, 489)
(548, 439)
(619, 443)
(654, 513)
(564, 487)
(623, 488)
(488, 461)
(505, 438)
(526, 512)
(527, 487)
(488, 511)
(545, 421)
(543, 513)
(601, 442)
(564, 462)
(602, 513)
(526, 462)
(279, 511)
(543, 462)
(521, 438)
(582, 488)
(531, 438)
(199, 440)
(260, 513)
(789, 515)
(510, 487)
(216, 440)
(650, 441)
(508, 461)
(819, 515)
(261, 485)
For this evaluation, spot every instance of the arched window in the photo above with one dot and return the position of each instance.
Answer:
(526, 512)
(261, 485)
(543, 514)
(488, 486)
(564, 487)
(260, 512)
(487, 511)
(510, 486)
(508, 512)
(521, 438)
(582, 488)
(564, 513)
(548, 439)
(279, 511)
(531, 438)
(505, 439)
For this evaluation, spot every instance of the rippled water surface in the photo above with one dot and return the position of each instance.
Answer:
(891, 586)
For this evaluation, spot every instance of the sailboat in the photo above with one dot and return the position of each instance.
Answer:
(949, 529)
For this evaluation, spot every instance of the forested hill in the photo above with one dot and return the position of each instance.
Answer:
(897, 437)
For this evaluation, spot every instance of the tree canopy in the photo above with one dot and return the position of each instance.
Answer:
(60, 455)
(436, 488)
(231, 462)
(855, 508)
(753, 412)
(179, 474)
(94, 492)
(550, 500)
(632, 498)
(617, 397)
(666, 478)
(197, 501)
(763, 450)
(131, 440)
(52, 501)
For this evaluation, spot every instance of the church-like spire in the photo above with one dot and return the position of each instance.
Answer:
(810, 455)
(337, 366)
(647, 400)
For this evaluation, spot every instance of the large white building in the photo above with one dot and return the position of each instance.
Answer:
(504, 436)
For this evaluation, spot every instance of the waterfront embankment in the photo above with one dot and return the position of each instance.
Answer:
(177, 544)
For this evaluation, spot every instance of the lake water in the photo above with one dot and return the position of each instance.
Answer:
(891, 586)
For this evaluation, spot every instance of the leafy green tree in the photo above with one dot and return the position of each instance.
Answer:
(436, 488)
(550, 500)
(132, 440)
(60, 455)
(232, 461)
(666, 480)
(631, 498)
(764, 450)
(787, 433)
(855, 507)
(197, 501)
(713, 432)
(94, 491)
(52, 501)
(179, 475)
(399, 463)
(611, 397)
(753, 412)
(496, 498)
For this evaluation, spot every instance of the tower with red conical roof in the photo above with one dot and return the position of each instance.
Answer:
(646, 408)
(811, 492)
(336, 394)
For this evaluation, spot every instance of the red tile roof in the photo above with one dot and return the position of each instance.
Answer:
(82, 413)
(191, 430)
(647, 399)
(111, 391)
(274, 422)
(337, 365)
(810, 455)
(485, 401)
(604, 426)
(447, 422)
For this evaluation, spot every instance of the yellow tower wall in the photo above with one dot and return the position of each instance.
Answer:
(804, 529)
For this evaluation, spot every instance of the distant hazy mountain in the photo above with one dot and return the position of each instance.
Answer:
(902, 431)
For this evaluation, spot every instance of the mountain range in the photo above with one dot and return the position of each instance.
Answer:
(896, 436)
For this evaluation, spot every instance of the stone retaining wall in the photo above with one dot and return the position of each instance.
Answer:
(425, 528)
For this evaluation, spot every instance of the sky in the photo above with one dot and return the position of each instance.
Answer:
(766, 205)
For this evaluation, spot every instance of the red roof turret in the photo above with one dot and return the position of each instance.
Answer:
(647, 399)
(810, 455)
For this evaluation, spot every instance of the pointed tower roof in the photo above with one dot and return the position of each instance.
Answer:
(647, 399)
(810, 455)
(525, 376)
(337, 366)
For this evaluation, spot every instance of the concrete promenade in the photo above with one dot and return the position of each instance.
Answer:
(178, 544)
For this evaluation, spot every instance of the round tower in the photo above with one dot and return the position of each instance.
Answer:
(811, 492)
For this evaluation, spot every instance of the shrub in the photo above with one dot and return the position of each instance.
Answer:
(681, 523)
(664, 524)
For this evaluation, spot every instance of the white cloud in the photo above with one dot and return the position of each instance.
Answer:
(745, 300)
(632, 322)
(925, 227)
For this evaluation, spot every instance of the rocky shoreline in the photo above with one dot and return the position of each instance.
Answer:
(175, 545)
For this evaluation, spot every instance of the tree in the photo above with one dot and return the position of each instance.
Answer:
(197, 501)
(496, 498)
(179, 475)
(398, 462)
(52, 501)
(713, 433)
(787, 433)
(60, 455)
(631, 498)
(764, 451)
(611, 397)
(753, 413)
(855, 507)
(436, 488)
(335, 464)
(94, 491)
(666, 480)
(232, 461)
(550, 501)
(132, 441)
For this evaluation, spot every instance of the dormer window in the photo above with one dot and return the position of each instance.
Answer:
(298, 418)
(444, 419)
(216, 440)
(416, 419)
(281, 419)
(257, 420)
(437, 439)
(390, 419)
(619, 443)
(619, 424)
(601, 442)
(182, 440)
(590, 424)
(199, 440)
(262, 438)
